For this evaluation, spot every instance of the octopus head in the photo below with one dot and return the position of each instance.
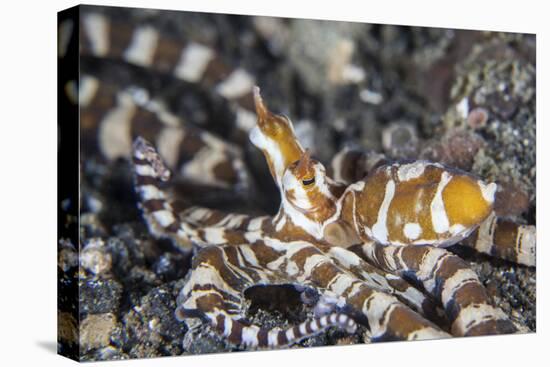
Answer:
(421, 203)
(468, 200)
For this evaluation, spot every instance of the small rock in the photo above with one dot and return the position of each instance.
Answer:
(477, 118)
(108, 353)
(91, 226)
(400, 140)
(170, 266)
(96, 331)
(203, 340)
(95, 258)
(457, 148)
(121, 256)
(510, 200)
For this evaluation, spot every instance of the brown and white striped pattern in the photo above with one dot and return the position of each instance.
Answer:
(211, 227)
(144, 46)
(111, 119)
(421, 203)
(220, 275)
(215, 291)
(388, 319)
(449, 279)
(193, 226)
(376, 278)
(159, 214)
(504, 239)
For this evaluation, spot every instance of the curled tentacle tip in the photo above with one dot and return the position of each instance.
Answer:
(140, 144)
(144, 151)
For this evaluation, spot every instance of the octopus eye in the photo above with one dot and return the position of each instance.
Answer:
(308, 182)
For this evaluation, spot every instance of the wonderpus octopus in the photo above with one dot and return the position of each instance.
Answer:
(371, 251)
(364, 241)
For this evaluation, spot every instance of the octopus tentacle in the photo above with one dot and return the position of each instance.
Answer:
(350, 165)
(319, 241)
(164, 221)
(145, 46)
(150, 173)
(112, 117)
(205, 217)
(505, 239)
(387, 282)
(448, 278)
(215, 291)
(387, 317)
